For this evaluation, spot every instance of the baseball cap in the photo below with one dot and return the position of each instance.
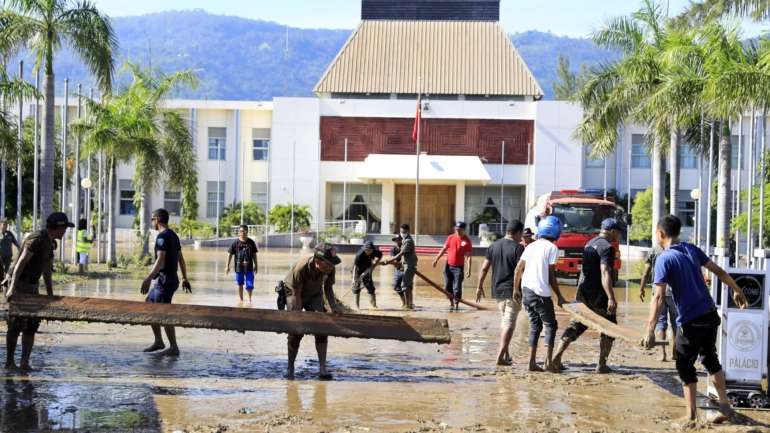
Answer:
(396, 238)
(57, 220)
(611, 224)
(368, 245)
(460, 225)
(328, 253)
(528, 232)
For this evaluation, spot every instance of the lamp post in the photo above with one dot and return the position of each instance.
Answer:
(695, 195)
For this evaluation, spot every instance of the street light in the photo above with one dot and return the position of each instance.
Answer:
(695, 195)
(86, 183)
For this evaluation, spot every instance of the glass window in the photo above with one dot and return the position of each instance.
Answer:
(172, 202)
(688, 159)
(363, 202)
(685, 209)
(217, 145)
(127, 197)
(259, 194)
(260, 143)
(640, 158)
(594, 162)
(482, 206)
(734, 151)
(212, 191)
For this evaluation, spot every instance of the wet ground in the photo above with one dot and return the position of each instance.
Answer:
(94, 377)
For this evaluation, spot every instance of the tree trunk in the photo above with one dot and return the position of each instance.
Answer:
(676, 137)
(723, 188)
(47, 149)
(112, 258)
(658, 185)
(144, 220)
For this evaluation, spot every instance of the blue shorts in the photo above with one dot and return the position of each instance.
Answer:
(162, 291)
(398, 281)
(245, 279)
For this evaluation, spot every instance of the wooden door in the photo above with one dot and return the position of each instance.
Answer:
(437, 208)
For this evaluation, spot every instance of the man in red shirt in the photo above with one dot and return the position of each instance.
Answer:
(458, 248)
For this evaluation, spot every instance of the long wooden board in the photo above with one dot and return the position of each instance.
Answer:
(447, 294)
(584, 315)
(75, 309)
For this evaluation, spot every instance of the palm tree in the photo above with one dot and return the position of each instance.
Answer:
(617, 92)
(42, 26)
(709, 10)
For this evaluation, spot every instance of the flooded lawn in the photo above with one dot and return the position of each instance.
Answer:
(94, 377)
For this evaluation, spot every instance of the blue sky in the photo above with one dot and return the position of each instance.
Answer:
(561, 17)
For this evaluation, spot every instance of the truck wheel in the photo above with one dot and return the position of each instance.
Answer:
(757, 401)
(734, 400)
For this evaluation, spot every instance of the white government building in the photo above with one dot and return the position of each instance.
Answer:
(348, 153)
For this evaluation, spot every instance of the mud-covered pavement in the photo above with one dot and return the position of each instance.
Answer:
(94, 377)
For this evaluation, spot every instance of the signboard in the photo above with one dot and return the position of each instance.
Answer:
(745, 339)
(753, 285)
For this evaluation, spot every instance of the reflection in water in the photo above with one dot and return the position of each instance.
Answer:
(20, 409)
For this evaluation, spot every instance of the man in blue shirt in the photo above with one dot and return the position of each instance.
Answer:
(679, 267)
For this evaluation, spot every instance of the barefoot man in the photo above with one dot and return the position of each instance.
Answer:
(163, 280)
(595, 290)
(502, 257)
(679, 266)
(34, 261)
(244, 249)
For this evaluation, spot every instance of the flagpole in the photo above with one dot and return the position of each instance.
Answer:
(417, 177)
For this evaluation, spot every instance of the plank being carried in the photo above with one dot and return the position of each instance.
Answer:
(447, 294)
(76, 309)
(584, 315)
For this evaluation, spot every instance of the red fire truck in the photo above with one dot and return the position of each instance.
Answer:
(581, 213)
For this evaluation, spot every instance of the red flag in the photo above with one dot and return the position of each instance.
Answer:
(417, 118)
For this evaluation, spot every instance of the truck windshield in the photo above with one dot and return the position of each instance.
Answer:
(583, 218)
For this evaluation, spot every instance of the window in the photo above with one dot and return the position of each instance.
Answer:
(688, 159)
(685, 209)
(734, 151)
(172, 202)
(640, 158)
(260, 143)
(214, 204)
(363, 202)
(217, 145)
(127, 197)
(259, 194)
(482, 206)
(594, 162)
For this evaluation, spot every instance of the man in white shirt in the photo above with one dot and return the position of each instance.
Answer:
(534, 282)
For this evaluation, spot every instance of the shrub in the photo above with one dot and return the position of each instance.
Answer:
(280, 217)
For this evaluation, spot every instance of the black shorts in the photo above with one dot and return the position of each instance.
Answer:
(25, 325)
(162, 290)
(576, 329)
(698, 338)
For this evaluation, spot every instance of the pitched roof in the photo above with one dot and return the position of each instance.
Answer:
(434, 57)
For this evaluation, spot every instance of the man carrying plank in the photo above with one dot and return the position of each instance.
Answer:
(34, 261)
(459, 249)
(309, 287)
(595, 291)
(407, 256)
(679, 267)
(503, 256)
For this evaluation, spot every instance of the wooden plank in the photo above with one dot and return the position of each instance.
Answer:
(447, 294)
(77, 309)
(584, 315)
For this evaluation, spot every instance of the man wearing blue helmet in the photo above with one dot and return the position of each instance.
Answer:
(534, 282)
(595, 290)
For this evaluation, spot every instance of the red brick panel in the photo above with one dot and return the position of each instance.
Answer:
(463, 137)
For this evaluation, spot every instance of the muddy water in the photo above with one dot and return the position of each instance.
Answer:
(93, 377)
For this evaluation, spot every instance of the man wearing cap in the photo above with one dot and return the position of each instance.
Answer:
(34, 261)
(503, 257)
(458, 248)
(309, 287)
(7, 241)
(527, 237)
(398, 275)
(367, 258)
(407, 257)
(595, 290)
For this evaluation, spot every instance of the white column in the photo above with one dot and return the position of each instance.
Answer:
(460, 201)
(388, 208)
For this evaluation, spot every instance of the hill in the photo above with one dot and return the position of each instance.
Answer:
(238, 58)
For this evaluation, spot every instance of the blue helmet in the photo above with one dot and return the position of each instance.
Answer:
(549, 227)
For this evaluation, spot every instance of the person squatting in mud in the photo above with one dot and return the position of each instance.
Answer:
(595, 291)
(364, 263)
(679, 266)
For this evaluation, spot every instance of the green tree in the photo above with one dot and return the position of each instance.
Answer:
(568, 83)
(710, 10)
(252, 215)
(280, 216)
(641, 228)
(42, 26)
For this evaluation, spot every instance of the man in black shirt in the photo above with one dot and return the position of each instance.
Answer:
(163, 280)
(7, 241)
(367, 258)
(244, 249)
(398, 275)
(503, 256)
(595, 290)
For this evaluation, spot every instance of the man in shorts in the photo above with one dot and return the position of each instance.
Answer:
(398, 274)
(162, 281)
(680, 267)
(458, 249)
(408, 258)
(669, 307)
(310, 287)
(502, 257)
(244, 249)
(34, 261)
(595, 291)
(7, 241)
(367, 258)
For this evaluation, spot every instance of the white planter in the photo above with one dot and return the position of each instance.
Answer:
(356, 241)
(306, 241)
(485, 242)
